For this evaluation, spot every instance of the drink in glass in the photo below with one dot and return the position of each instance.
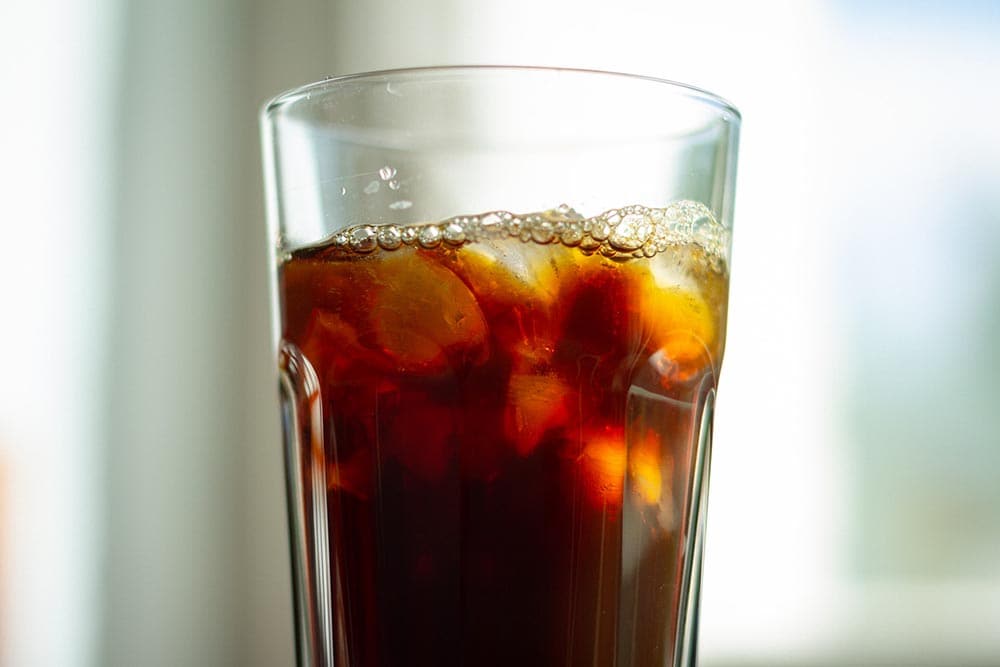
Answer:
(497, 428)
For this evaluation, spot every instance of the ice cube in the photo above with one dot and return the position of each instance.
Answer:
(518, 306)
(424, 317)
(333, 347)
(602, 463)
(645, 468)
(402, 305)
(536, 403)
(680, 326)
(606, 459)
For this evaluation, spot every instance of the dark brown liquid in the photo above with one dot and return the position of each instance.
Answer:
(495, 449)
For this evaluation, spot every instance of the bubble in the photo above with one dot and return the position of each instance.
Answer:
(394, 184)
(454, 233)
(631, 233)
(362, 239)
(409, 235)
(600, 230)
(705, 230)
(572, 235)
(371, 188)
(343, 191)
(542, 232)
(430, 236)
(491, 223)
(387, 173)
(390, 237)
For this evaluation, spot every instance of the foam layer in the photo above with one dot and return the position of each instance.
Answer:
(630, 231)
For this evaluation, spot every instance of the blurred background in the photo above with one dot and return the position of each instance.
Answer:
(855, 511)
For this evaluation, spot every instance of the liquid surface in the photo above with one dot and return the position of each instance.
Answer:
(631, 231)
(494, 420)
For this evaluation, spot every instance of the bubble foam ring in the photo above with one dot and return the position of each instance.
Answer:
(621, 233)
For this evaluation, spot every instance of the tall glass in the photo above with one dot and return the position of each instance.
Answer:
(499, 314)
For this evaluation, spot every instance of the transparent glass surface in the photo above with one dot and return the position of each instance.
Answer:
(499, 313)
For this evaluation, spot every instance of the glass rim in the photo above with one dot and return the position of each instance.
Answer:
(293, 95)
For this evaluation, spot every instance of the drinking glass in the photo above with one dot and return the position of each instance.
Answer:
(499, 307)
